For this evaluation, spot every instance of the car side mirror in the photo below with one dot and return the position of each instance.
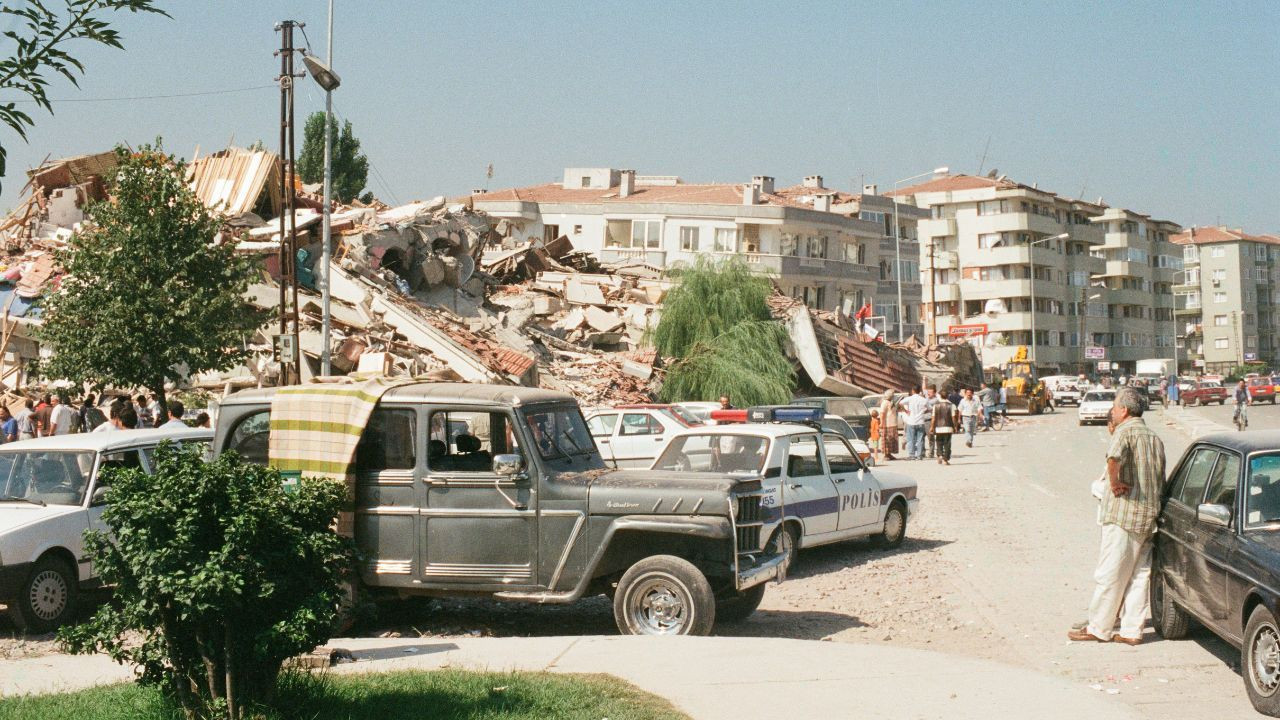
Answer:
(99, 496)
(1210, 514)
(509, 466)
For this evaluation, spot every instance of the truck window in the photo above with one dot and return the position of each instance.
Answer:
(388, 442)
(802, 457)
(251, 437)
(467, 440)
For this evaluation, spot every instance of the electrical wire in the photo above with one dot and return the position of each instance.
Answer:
(147, 97)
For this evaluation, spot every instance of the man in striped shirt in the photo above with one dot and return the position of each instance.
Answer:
(1135, 469)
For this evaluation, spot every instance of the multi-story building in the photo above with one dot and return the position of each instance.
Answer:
(831, 249)
(1227, 298)
(1092, 282)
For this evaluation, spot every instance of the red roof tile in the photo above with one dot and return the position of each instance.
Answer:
(699, 194)
(1208, 235)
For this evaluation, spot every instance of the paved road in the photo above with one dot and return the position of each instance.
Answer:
(1262, 416)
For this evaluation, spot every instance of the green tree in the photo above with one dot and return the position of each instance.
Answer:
(350, 166)
(717, 325)
(220, 575)
(148, 295)
(41, 30)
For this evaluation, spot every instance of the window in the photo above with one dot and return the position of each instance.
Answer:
(840, 457)
(1250, 342)
(577, 229)
(586, 181)
(646, 233)
(1220, 320)
(714, 453)
(689, 238)
(467, 440)
(1219, 275)
(802, 457)
(993, 207)
(1218, 251)
(559, 432)
(251, 436)
(1189, 486)
(388, 441)
(1221, 343)
(640, 424)
(1262, 502)
(602, 425)
(990, 240)
(1219, 297)
(726, 240)
(1222, 483)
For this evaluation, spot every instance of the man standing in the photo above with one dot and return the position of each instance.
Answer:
(62, 417)
(176, 411)
(724, 403)
(1135, 472)
(942, 425)
(888, 427)
(26, 421)
(916, 409)
(1174, 390)
(970, 413)
(8, 426)
(989, 399)
(43, 409)
(931, 442)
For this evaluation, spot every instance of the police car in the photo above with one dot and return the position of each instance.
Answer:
(817, 489)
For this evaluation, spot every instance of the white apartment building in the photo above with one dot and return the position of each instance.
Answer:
(831, 249)
(1227, 298)
(1101, 292)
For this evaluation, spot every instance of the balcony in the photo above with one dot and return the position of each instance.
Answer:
(944, 260)
(1017, 222)
(948, 292)
(987, 289)
(1129, 297)
(1124, 268)
(1189, 310)
(1014, 255)
(940, 227)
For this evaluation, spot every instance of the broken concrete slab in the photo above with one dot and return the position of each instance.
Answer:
(602, 320)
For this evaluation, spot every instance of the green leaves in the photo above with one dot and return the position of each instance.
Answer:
(350, 166)
(214, 565)
(717, 325)
(149, 296)
(42, 30)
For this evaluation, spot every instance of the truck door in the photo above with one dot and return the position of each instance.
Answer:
(389, 460)
(477, 527)
(858, 489)
(807, 490)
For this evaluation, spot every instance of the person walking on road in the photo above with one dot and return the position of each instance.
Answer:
(970, 409)
(888, 427)
(916, 409)
(990, 399)
(942, 426)
(931, 444)
(1135, 474)
(1241, 415)
(1174, 390)
(873, 433)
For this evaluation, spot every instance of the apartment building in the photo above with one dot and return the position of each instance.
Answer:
(1227, 298)
(1094, 283)
(829, 248)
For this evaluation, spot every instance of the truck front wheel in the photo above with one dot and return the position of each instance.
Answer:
(664, 595)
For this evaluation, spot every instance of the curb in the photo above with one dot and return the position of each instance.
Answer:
(1194, 425)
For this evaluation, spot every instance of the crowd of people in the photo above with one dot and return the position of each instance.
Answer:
(54, 414)
(928, 420)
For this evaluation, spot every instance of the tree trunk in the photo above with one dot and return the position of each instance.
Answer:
(162, 417)
(234, 710)
(187, 697)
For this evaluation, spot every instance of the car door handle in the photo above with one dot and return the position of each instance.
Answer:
(839, 480)
(603, 442)
(796, 486)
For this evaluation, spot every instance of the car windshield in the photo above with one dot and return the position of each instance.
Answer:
(559, 432)
(1262, 500)
(1100, 397)
(837, 425)
(714, 453)
(51, 477)
(684, 415)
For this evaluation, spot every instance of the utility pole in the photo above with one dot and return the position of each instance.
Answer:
(289, 360)
(327, 230)
(933, 293)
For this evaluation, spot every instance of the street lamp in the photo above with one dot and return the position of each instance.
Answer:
(322, 72)
(1031, 263)
(897, 240)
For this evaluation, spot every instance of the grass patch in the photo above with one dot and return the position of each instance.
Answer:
(440, 695)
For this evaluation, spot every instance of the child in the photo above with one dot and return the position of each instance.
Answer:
(873, 440)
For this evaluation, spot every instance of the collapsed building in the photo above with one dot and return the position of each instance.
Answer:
(429, 289)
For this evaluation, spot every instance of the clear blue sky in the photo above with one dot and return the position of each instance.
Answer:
(1167, 108)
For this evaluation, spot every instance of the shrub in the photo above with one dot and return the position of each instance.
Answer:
(220, 575)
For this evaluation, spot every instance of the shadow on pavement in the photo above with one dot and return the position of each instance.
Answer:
(400, 651)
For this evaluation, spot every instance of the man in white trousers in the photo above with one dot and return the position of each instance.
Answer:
(1135, 471)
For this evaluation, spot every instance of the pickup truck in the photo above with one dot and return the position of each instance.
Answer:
(1204, 392)
(1262, 389)
(500, 491)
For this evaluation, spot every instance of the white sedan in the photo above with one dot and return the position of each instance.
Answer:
(1095, 406)
(817, 491)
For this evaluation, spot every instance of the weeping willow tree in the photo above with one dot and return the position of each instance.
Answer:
(717, 326)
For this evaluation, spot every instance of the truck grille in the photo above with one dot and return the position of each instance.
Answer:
(747, 523)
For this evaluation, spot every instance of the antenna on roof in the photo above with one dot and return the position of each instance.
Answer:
(983, 161)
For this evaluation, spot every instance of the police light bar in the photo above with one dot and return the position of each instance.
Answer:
(785, 413)
(729, 416)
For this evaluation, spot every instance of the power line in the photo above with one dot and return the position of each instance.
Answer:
(147, 97)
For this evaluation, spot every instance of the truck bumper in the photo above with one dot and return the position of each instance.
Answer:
(763, 571)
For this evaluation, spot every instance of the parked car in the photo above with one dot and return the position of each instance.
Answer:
(522, 508)
(51, 491)
(1262, 389)
(630, 436)
(816, 490)
(1204, 392)
(841, 427)
(1217, 553)
(1064, 388)
(854, 410)
(1095, 406)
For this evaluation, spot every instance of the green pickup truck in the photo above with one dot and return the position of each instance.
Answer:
(496, 490)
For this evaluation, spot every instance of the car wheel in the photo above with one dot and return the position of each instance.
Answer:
(1080, 422)
(871, 461)
(895, 525)
(664, 595)
(1222, 402)
(48, 597)
(1168, 619)
(738, 605)
(1260, 661)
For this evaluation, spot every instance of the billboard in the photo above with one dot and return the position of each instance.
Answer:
(1094, 352)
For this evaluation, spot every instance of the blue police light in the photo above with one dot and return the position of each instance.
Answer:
(785, 413)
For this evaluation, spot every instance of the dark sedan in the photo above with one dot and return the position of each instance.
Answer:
(1217, 553)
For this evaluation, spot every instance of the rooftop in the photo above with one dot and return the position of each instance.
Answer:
(1220, 234)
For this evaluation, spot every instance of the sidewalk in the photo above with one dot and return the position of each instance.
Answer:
(711, 678)
(1194, 424)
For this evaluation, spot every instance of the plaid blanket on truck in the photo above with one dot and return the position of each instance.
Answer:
(315, 430)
